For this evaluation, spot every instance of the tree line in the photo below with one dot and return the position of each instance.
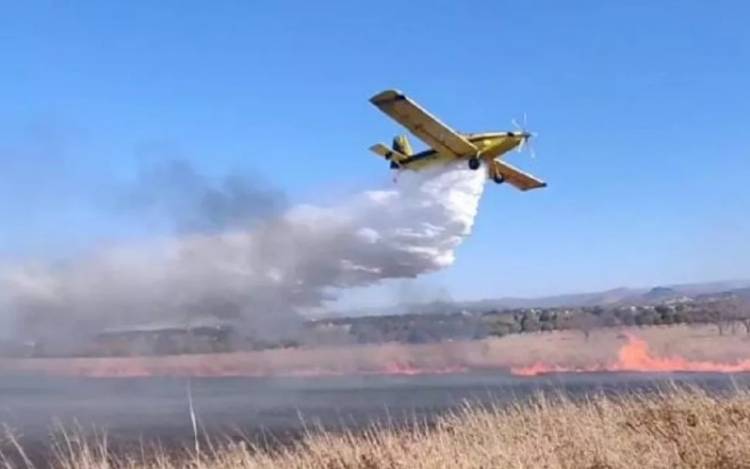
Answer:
(727, 314)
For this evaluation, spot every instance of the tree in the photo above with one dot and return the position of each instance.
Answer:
(670, 314)
(584, 322)
(609, 319)
(547, 315)
(626, 318)
(723, 314)
(504, 325)
(732, 311)
(419, 336)
(744, 314)
(529, 322)
(647, 318)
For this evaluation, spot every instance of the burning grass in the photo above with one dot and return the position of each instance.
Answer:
(651, 349)
(635, 355)
(680, 427)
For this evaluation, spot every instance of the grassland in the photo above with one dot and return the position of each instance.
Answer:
(677, 428)
(568, 348)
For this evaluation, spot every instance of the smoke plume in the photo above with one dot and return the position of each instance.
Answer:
(192, 202)
(264, 275)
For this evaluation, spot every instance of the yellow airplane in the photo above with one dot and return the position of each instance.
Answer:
(447, 145)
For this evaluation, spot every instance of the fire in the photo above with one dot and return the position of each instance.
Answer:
(389, 359)
(634, 356)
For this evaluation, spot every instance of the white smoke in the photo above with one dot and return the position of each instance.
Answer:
(275, 270)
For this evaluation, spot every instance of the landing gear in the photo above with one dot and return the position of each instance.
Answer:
(498, 179)
(474, 163)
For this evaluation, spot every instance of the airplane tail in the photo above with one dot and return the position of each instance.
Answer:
(400, 150)
(401, 144)
(391, 155)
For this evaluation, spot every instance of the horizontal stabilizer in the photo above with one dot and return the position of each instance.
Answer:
(514, 176)
(387, 153)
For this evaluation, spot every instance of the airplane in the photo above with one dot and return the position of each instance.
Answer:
(447, 145)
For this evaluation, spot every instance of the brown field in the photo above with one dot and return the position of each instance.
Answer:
(679, 428)
(569, 349)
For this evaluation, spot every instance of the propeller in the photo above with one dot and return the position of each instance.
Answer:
(526, 135)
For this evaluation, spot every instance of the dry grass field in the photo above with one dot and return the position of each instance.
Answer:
(678, 428)
(565, 348)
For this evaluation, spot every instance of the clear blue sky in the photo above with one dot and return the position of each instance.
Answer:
(642, 109)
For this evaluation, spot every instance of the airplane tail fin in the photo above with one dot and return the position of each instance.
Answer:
(401, 144)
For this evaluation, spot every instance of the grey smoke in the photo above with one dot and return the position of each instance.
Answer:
(174, 191)
(266, 275)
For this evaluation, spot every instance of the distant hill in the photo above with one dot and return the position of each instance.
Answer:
(743, 293)
(616, 296)
(660, 294)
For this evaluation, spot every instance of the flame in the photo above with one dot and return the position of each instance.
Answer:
(634, 356)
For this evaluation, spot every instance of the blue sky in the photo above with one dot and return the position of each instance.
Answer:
(641, 107)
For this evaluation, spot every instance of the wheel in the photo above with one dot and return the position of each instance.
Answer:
(474, 163)
(498, 179)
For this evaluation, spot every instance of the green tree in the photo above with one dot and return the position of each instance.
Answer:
(530, 323)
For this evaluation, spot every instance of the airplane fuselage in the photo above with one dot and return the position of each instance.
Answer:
(490, 144)
(446, 145)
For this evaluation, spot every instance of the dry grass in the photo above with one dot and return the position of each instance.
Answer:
(562, 347)
(678, 428)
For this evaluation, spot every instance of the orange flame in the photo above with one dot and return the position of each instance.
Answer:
(635, 357)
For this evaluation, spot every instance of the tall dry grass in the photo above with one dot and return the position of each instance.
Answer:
(566, 348)
(676, 428)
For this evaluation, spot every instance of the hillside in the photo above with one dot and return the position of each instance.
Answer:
(611, 297)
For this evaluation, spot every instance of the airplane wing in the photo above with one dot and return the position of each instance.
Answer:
(515, 176)
(423, 124)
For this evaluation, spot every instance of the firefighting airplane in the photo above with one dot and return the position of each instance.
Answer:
(447, 145)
